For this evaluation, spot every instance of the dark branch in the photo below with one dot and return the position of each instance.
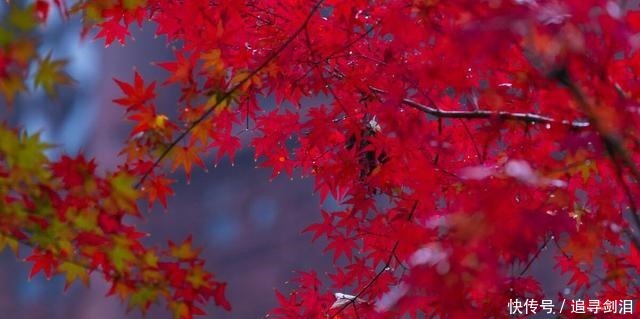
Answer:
(484, 114)
(544, 245)
(612, 142)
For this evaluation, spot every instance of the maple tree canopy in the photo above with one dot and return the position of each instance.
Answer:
(460, 136)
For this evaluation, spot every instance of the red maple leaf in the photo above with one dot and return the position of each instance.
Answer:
(226, 144)
(325, 228)
(111, 30)
(158, 188)
(181, 70)
(42, 261)
(137, 94)
(341, 245)
(73, 171)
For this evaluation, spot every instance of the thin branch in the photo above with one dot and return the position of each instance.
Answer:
(378, 274)
(335, 53)
(544, 245)
(480, 114)
(473, 141)
(590, 272)
(435, 159)
(328, 86)
(611, 141)
(448, 173)
(404, 267)
(632, 203)
(230, 92)
(484, 114)
(557, 244)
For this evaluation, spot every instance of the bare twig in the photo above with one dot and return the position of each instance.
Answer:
(484, 114)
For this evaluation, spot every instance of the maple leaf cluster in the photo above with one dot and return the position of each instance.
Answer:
(461, 138)
(74, 220)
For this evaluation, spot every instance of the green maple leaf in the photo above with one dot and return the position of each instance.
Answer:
(133, 4)
(50, 73)
(143, 298)
(23, 18)
(121, 256)
(25, 152)
(10, 242)
(72, 273)
(30, 153)
(5, 36)
(123, 193)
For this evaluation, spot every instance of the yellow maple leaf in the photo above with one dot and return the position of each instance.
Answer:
(185, 156)
(198, 277)
(213, 62)
(10, 86)
(142, 298)
(183, 251)
(11, 242)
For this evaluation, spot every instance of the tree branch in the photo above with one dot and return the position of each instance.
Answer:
(479, 114)
(484, 114)
(230, 92)
(535, 256)
(613, 144)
